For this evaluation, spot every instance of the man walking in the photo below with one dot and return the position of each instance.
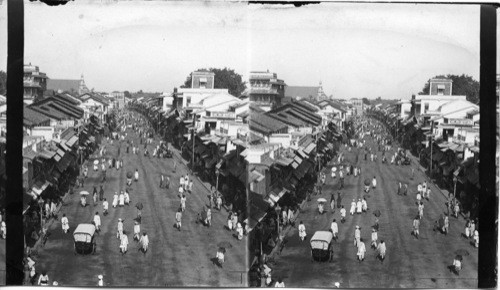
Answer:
(361, 250)
(381, 249)
(357, 236)
(178, 218)
(105, 206)
(97, 222)
(416, 227)
(65, 223)
(119, 228)
(144, 242)
(334, 229)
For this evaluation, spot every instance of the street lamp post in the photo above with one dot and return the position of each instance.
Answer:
(278, 211)
(454, 186)
(217, 182)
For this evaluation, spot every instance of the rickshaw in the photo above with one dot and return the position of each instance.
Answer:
(321, 246)
(84, 237)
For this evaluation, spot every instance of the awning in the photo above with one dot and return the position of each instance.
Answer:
(275, 195)
(72, 141)
(284, 161)
(29, 155)
(309, 148)
(211, 162)
(38, 189)
(64, 147)
(46, 154)
(64, 162)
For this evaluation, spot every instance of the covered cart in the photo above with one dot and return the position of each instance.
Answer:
(84, 237)
(321, 246)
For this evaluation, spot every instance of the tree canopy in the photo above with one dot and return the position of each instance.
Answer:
(224, 79)
(366, 101)
(462, 85)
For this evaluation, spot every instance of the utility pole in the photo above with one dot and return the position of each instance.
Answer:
(432, 134)
(194, 123)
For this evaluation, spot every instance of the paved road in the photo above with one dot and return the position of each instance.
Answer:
(174, 258)
(409, 262)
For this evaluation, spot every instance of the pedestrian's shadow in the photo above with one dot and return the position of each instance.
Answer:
(215, 261)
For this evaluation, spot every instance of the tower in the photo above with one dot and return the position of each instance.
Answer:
(82, 89)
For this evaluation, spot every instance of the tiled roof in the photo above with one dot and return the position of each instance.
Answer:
(48, 111)
(33, 118)
(334, 104)
(64, 85)
(96, 97)
(307, 105)
(265, 124)
(67, 99)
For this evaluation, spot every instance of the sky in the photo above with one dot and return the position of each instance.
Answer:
(355, 50)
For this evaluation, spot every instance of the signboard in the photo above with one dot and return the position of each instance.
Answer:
(461, 122)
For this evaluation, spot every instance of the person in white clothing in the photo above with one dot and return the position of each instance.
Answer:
(121, 199)
(239, 231)
(302, 231)
(97, 221)
(279, 283)
(353, 207)
(374, 239)
(115, 200)
(136, 175)
(123, 243)
(144, 242)
(137, 231)
(119, 228)
(381, 249)
(364, 204)
(126, 197)
(335, 229)
(105, 206)
(357, 236)
(343, 214)
(359, 206)
(64, 222)
(457, 266)
(43, 280)
(100, 283)
(361, 250)
(476, 239)
(374, 182)
(183, 202)
(220, 257)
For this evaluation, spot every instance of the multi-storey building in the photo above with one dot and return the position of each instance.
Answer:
(34, 83)
(266, 90)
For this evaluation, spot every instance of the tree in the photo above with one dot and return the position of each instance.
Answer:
(224, 79)
(3, 83)
(127, 94)
(462, 85)
(365, 101)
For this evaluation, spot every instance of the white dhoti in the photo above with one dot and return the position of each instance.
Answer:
(115, 201)
(352, 210)
(359, 207)
(229, 224)
(65, 227)
(122, 200)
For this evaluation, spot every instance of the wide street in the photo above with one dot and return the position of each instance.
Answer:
(409, 262)
(175, 258)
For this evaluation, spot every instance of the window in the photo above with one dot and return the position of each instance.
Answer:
(188, 100)
(426, 107)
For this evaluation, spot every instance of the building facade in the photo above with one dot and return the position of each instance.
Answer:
(266, 90)
(34, 83)
(202, 80)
